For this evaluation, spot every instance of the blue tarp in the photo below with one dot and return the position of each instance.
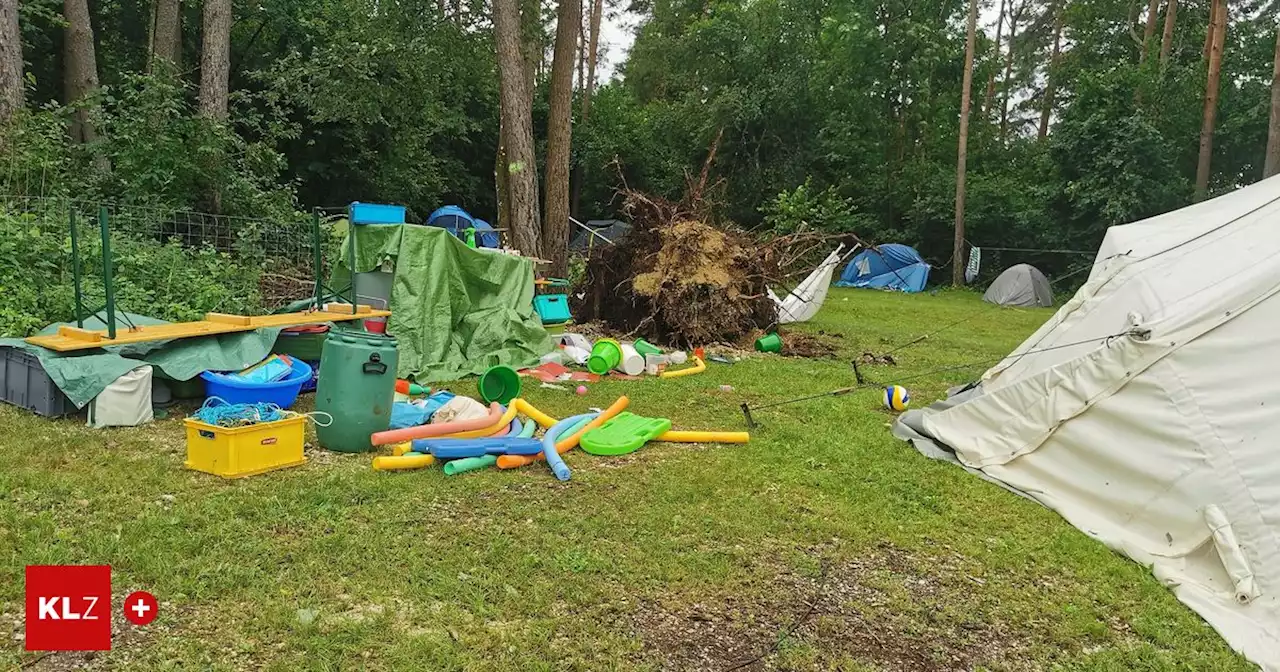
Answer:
(889, 266)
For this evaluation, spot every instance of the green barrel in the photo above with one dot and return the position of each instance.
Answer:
(357, 387)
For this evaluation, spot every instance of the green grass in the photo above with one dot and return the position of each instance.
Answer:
(822, 544)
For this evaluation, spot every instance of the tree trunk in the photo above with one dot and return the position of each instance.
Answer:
(555, 223)
(1272, 164)
(1166, 40)
(588, 90)
(1210, 33)
(215, 59)
(1153, 13)
(1046, 105)
(958, 259)
(1219, 30)
(1014, 15)
(81, 63)
(166, 35)
(517, 127)
(582, 46)
(991, 79)
(11, 84)
(593, 57)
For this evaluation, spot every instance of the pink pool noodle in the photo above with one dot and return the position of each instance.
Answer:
(428, 431)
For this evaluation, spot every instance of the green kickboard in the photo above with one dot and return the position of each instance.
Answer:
(624, 433)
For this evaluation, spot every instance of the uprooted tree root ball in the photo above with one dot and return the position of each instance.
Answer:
(678, 279)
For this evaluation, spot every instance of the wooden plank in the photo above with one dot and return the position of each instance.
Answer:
(72, 338)
(223, 318)
(78, 334)
(346, 308)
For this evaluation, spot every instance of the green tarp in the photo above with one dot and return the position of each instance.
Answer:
(81, 375)
(454, 310)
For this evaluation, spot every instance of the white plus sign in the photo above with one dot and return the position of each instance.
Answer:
(141, 608)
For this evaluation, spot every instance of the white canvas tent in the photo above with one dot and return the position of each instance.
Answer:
(803, 302)
(1147, 410)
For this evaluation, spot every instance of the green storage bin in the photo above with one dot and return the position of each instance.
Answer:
(307, 346)
(357, 387)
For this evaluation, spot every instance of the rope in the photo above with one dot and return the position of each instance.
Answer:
(870, 385)
(978, 313)
(217, 411)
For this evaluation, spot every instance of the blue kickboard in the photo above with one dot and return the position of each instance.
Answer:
(452, 449)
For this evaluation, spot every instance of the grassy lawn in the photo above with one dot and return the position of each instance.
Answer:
(822, 544)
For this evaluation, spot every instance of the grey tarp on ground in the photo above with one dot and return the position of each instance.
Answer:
(1022, 285)
(910, 428)
(81, 375)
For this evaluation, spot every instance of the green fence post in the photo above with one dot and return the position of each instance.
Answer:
(75, 265)
(108, 285)
(318, 260)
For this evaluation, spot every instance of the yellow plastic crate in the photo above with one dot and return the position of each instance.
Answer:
(236, 452)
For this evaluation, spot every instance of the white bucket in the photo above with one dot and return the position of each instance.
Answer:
(631, 363)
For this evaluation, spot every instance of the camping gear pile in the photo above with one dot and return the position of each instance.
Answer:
(1144, 411)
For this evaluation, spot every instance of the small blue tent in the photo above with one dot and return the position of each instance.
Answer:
(485, 235)
(890, 266)
(452, 219)
(455, 220)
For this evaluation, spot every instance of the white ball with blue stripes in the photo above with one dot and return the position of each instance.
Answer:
(896, 398)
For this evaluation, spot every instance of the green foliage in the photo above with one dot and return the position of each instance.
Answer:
(169, 276)
(807, 208)
(839, 114)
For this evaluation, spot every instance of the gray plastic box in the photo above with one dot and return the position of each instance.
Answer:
(24, 383)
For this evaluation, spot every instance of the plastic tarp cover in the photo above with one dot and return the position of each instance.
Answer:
(83, 374)
(454, 310)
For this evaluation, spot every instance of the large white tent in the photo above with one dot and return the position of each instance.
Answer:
(1147, 410)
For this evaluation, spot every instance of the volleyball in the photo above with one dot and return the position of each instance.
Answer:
(896, 398)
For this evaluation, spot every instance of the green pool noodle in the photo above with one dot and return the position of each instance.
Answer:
(528, 430)
(461, 466)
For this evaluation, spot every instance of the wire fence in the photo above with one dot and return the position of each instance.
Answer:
(167, 263)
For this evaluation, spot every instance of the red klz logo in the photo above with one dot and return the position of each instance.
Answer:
(68, 608)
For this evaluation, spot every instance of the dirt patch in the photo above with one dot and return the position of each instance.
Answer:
(802, 344)
(849, 610)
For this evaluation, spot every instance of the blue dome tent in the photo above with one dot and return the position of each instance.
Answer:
(485, 235)
(451, 218)
(889, 266)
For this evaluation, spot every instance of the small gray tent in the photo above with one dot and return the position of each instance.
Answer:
(1022, 285)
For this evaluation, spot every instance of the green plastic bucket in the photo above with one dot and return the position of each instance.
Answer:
(646, 348)
(605, 355)
(500, 384)
(769, 343)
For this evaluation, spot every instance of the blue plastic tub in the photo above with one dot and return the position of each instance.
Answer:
(375, 213)
(281, 393)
